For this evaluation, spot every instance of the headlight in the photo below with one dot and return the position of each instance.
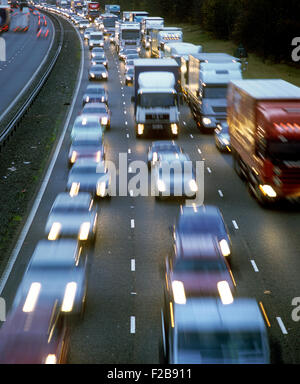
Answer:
(104, 75)
(92, 75)
(225, 292)
(104, 120)
(225, 141)
(224, 247)
(74, 189)
(101, 188)
(32, 297)
(193, 185)
(140, 129)
(267, 190)
(84, 231)
(206, 121)
(161, 186)
(98, 157)
(73, 157)
(154, 157)
(50, 359)
(178, 292)
(69, 297)
(54, 231)
(174, 129)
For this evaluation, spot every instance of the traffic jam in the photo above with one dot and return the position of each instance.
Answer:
(203, 319)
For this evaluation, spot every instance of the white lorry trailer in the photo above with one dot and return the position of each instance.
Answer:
(156, 96)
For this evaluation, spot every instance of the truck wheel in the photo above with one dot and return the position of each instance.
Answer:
(237, 166)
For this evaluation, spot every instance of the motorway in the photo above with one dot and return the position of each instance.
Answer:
(122, 323)
(21, 65)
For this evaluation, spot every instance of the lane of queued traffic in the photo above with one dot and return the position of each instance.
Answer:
(24, 54)
(266, 260)
(125, 292)
(150, 231)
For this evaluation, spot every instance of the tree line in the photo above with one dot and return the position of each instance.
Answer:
(266, 27)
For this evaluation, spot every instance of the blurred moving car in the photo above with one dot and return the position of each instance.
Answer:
(99, 59)
(87, 145)
(161, 147)
(100, 110)
(129, 76)
(222, 137)
(88, 32)
(174, 175)
(84, 123)
(88, 176)
(37, 337)
(97, 50)
(127, 51)
(205, 331)
(98, 72)
(83, 24)
(197, 267)
(96, 39)
(42, 32)
(203, 220)
(95, 94)
(56, 273)
(73, 215)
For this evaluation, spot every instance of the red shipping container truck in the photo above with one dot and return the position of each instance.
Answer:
(264, 126)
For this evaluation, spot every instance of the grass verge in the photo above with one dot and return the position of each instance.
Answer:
(257, 67)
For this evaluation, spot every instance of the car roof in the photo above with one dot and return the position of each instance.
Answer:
(59, 253)
(100, 87)
(82, 199)
(198, 247)
(95, 105)
(208, 314)
(89, 119)
(84, 163)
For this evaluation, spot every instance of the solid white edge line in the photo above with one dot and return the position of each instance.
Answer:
(39, 197)
(132, 324)
(281, 325)
(11, 105)
(254, 265)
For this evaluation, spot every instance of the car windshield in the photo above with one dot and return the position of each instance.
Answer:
(130, 34)
(289, 151)
(99, 55)
(109, 22)
(88, 124)
(94, 110)
(96, 37)
(199, 223)
(152, 100)
(98, 67)
(198, 265)
(86, 143)
(221, 344)
(71, 209)
(96, 91)
(84, 170)
(214, 92)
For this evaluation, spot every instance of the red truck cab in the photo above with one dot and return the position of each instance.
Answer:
(264, 127)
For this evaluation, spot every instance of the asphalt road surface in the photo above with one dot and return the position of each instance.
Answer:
(125, 293)
(24, 54)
